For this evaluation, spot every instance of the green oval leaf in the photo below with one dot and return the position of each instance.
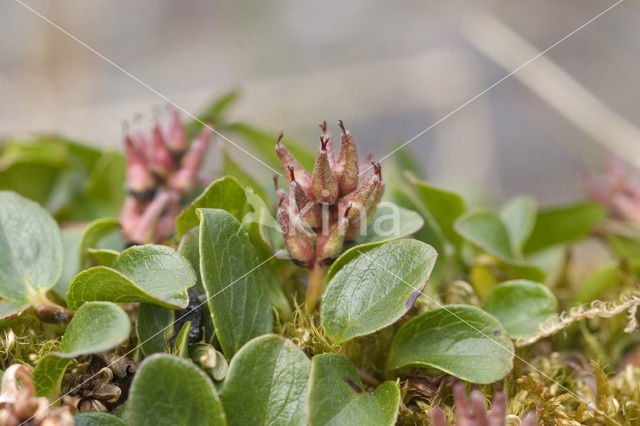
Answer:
(460, 340)
(487, 231)
(444, 206)
(149, 273)
(31, 247)
(234, 280)
(168, 390)
(267, 383)
(519, 217)
(521, 306)
(153, 326)
(95, 327)
(390, 222)
(225, 193)
(376, 288)
(93, 234)
(563, 225)
(98, 419)
(336, 395)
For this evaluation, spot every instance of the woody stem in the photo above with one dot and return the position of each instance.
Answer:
(315, 287)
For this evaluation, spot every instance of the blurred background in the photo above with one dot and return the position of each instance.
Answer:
(389, 69)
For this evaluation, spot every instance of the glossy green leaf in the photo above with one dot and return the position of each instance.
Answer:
(153, 326)
(31, 247)
(521, 306)
(149, 273)
(98, 419)
(376, 288)
(487, 231)
(169, 390)
(348, 256)
(403, 193)
(460, 340)
(234, 280)
(563, 225)
(267, 384)
(444, 206)
(225, 193)
(93, 234)
(96, 327)
(519, 217)
(390, 222)
(336, 395)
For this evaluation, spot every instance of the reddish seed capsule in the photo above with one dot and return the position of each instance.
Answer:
(361, 198)
(286, 160)
(162, 162)
(308, 210)
(330, 155)
(145, 226)
(325, 185)
(185, 178)
(299, 245)
(347, 167)
(330, 246)
(176, 138)
(140, 182)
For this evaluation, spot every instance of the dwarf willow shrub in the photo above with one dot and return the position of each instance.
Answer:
(345, 260)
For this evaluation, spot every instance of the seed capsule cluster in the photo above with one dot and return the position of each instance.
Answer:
(326, 208)
(161, 170)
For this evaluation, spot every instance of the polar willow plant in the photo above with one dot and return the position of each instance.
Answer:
(398, 290)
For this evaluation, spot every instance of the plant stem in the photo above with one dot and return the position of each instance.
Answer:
(315, 286)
